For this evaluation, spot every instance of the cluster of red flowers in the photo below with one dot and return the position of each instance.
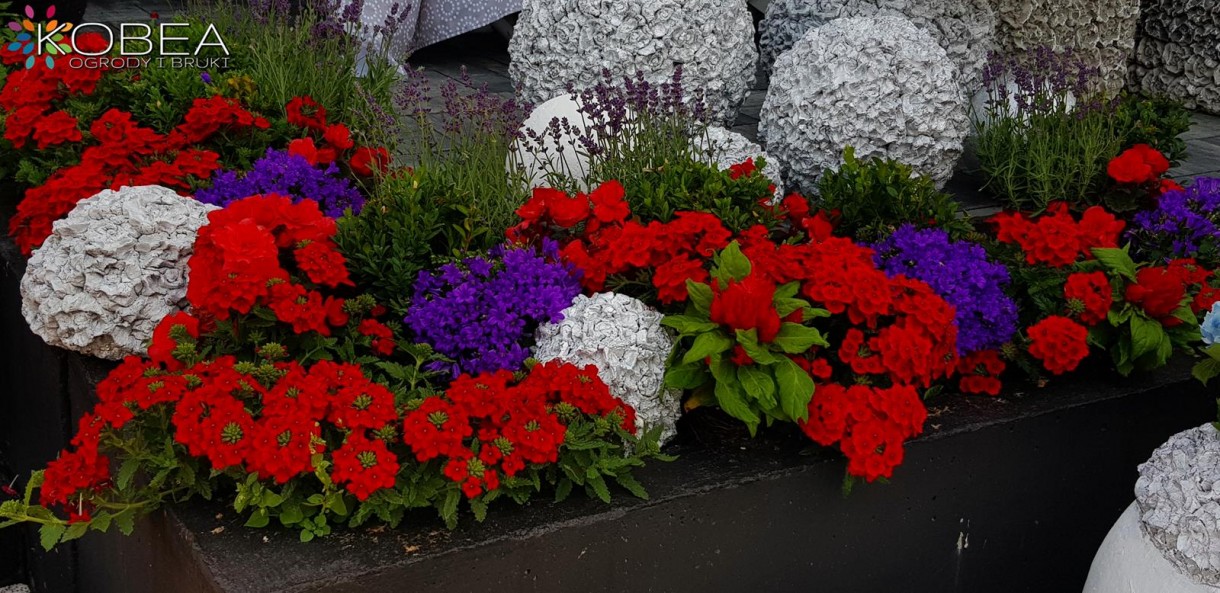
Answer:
(240, 257)
(487, 426)
(1056, 238)
(1138, 165)
(1160, 290)
(611, 244)
(1059, 343)
(336, 140)
(869, 423)
(980, 372)
(127, 155)
(1089, 296)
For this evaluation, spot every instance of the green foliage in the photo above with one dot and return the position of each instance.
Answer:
(877, 196)
(693, 185)
(1156, 121)
(1037, 156)
(286, 57)
(771, 386)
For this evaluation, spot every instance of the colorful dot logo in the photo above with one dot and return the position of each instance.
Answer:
(40, 39)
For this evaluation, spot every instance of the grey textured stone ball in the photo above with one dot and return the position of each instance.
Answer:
(965, 29)
(879, 84)
(111, 270)
(557, 42)
(1178, 495)
(624, 339)
(1102, 33)
(1177, 52)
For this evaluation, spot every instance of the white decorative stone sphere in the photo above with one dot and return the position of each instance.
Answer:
(624, 339)
(538, 151)
(557, 42)
(726, 148)
(1168, 541)
(878, 84)
(965, 29)
(1177, 52)
(111, 270)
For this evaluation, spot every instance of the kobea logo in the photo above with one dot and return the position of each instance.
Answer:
(45, 39)
(135, 43)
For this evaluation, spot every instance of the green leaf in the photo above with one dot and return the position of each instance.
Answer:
(126, 521)
(687, 376)
(732, 263)
(258, 519)
(50, 533)
(632, 485)
(706, 345)
(748, 340)
(126, 472)
(35, 481)
(700, 296)
(1116, 261)
(306, 536)
(795, 389)
(291, 515)
(785, 307)
(794, 338)
(75, 531)
(449, 508)
(787, 291)
(563, 490)
(688, 324)
(479, 507)
(598, 485)
(729, 398)
(1146, 335)
(758, 384)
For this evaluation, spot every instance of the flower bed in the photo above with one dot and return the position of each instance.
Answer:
(364, 337)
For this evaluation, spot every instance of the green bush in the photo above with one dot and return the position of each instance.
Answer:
(1155, 121)
(686, 184)
(873, 198)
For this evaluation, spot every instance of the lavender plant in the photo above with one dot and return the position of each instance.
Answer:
(480, 313)
(1046, 130)
(959, 272)
(461, 146)
(1185, 223)
(289, 175)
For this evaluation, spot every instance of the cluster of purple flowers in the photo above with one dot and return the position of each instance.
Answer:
(961, 274)
(1183, 224)
(289, 175)
(480, 312)
(1042, 81)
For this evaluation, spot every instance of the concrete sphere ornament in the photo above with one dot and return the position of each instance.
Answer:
(624, 339)
(561, 42)
(111, 270)
(965, 29)
(878, 84)
(1168, 540)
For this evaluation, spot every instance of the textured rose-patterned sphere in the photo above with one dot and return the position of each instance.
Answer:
(1179, 502)
(1177, 52)
(112, 270)
(561, 42)
(879, 84)
(624, 339)
(1102, 33)
(965, 29)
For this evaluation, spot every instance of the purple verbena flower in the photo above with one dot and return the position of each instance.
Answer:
(280, 172)
(480, 312)
(960, 273)
(1185, 223)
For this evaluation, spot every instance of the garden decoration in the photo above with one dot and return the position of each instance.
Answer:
(111, 270)
(1102, 33)
(558, 43)
(1176, 52)
(1167, 540)
(880, 85)
(964, 28)
(622, 337)
(550, 141)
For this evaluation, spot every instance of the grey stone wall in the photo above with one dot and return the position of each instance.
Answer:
(1177, 52)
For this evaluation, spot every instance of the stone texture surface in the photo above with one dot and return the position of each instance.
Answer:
(111, 270)
(1178, 493)
(624, 339)
(1101, 32)
(727, 148)
(1177, 52)
(557, 42)
(879, 84)
(964, 28)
